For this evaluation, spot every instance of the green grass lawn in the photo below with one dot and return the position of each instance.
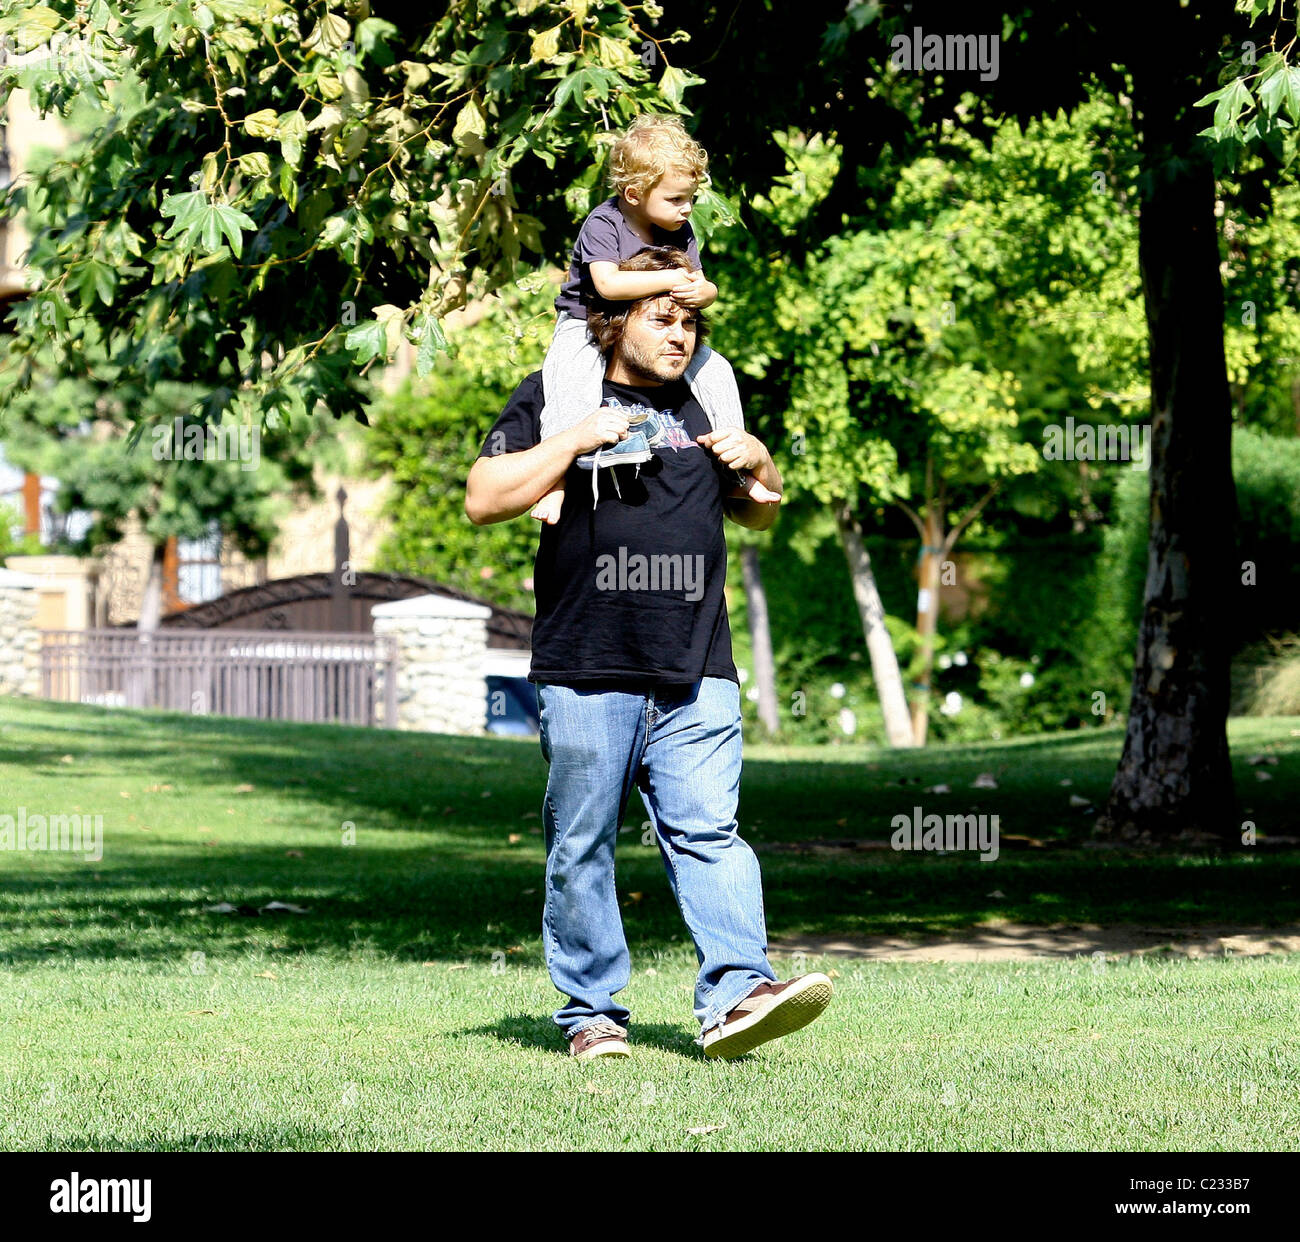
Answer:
(409, 1007)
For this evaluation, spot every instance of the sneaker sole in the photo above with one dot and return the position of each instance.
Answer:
(611, 1049)
(797, 1007)
(622, 459)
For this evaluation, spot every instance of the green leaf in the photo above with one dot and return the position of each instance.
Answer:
(369, 340)
(263, 124)
(328, 35)
(372, 37)
(256, 164)
(546, 44)
(32, 26)
(232, 221)
(292, 129)
(1282, 90)
(288, 187)
(356, 90)
(185, 208)
(95, 280)
(470, 128)
(429, 342)
(336, 228)
(1231, 100)
(674, 81)
(210, 229)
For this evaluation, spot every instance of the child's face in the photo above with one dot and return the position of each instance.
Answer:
(668, 202)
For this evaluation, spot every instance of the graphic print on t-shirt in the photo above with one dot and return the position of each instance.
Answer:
(662, 428)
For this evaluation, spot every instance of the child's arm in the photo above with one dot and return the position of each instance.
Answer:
(616, 286)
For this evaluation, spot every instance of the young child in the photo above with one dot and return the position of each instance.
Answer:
(655, 167)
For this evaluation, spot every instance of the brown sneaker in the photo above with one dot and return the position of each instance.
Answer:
(601, 1039)
(768, 1012)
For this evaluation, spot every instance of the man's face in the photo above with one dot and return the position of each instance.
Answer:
(659, 339)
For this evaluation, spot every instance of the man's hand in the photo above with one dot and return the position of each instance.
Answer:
(735, 448)
(694, 292)
(605, 426)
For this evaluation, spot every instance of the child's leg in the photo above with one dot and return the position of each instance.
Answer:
(713, 384)
(571, 376)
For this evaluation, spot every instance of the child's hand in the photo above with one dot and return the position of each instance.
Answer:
(692, 292)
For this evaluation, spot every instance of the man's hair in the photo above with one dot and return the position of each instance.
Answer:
(606, 321)
(654, 144)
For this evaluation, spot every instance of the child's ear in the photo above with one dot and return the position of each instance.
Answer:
(631, 195)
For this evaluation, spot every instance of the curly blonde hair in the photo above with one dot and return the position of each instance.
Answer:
(654, 144)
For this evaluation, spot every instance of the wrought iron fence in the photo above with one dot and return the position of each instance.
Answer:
(272, 675)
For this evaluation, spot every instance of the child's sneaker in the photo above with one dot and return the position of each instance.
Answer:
(635, 449)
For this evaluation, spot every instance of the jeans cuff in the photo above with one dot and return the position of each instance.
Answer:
(710, 1022)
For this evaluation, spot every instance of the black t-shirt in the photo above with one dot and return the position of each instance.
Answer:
(631, 592)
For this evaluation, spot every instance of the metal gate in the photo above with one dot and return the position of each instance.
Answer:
(271, 675)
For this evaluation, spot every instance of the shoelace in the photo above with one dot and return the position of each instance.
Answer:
(604, 1028)
(595, 471)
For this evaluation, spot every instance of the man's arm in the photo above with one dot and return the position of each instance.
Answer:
(503, 486)
(754, 514)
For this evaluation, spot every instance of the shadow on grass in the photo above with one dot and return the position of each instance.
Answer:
(530, 1031)
(291, 1138)
(457, 905)
(466, 892)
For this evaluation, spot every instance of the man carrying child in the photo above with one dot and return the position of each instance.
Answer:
(635, 679)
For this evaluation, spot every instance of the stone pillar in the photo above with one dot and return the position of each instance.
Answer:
(442, 644)
(20, 639)
(66, 590)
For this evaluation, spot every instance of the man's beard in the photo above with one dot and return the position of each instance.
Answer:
(652, 366)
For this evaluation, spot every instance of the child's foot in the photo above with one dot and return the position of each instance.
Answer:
(548, 508)
(750, 487)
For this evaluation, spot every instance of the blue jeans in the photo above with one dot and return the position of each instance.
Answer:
(681, 747)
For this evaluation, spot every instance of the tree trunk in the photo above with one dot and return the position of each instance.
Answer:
(1174, 779)
(760, 636)
(927, 616)
(151, 601)
(880, 647)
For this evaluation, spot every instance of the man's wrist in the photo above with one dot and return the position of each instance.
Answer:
(572, 445)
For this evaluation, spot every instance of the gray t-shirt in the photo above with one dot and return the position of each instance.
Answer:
(606, 238)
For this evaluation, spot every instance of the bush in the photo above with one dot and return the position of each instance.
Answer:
(1266, 679)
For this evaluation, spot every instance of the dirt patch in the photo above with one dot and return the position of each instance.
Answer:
(1003, 941)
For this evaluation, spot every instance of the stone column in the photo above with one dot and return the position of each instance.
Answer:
(442, 643)
(20, 639)
(66, 591)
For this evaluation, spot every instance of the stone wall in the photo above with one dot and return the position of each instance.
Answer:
(442, 645)
(20, 640)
